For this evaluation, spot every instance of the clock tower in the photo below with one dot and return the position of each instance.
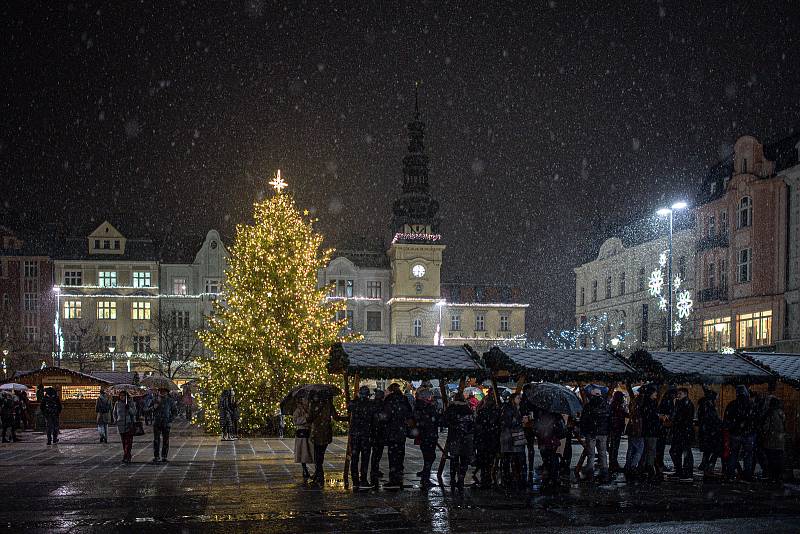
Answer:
(416, 249)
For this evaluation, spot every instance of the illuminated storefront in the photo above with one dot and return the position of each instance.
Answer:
(716, 333)
(754, 329)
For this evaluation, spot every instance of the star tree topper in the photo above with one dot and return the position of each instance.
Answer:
(278, 182)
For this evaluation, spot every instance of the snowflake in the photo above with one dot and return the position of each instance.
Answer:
(662, 304)
(656, 283)
(677, 283)
(684, 304)
(662, 259)
(677, 328)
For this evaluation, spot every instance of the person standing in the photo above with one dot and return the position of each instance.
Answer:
(550, 429)
(303, 451)
(322, 414)
(102, 408)
(188, 403)
(164, 411)
(682, 436)
(460, 439)
(651, 430)
(595, 427)
(51, 409)
(234, 415)
(739, 421)
(665, 410)
(361, 414)
(7, 416)
(487, 438)
(125, 419)
(147, 407)
(773, 437)
(225, 407)
(619, 414)
(397, 410)
(526, 408)
(427, 418)
(709, 432)
(635, 439)
(512, 443)
(377, 438)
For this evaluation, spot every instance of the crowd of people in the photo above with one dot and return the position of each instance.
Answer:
(498, 437)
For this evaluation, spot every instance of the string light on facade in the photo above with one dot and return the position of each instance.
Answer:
(656, 282)
(684, 304)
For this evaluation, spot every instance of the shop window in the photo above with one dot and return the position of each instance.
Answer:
(754, 329)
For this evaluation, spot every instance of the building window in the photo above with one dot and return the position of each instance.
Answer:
(594, 290)
(710, 274)
(455, 322)
(723, 223)
(583, 296)
(346, 315)
(642, 279)
(711, 225)
(754, 329)
(212, 285)
(723, 273)
(106, 309)
(716, 333)
(72, 309)
(342, 288)
(107, 244)
(480, 322)
(645, 323)
(116, 244)
(31, 302)
(141, 279)
(374, 321)
(622, 283)
(109, 342)
(374, 289)
(96, 243)
(504, 323)
(745, 212)
(417, 327)
(745, 265)
(31, 333)
(140, 311)
(141, 344)
(682, 267)
(73, 278)
(73, 343)
(180, 318)
(107, 279)
(31, 269)
(179, 286)
(608, 287)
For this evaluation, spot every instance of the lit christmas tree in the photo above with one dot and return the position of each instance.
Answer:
(273, 327)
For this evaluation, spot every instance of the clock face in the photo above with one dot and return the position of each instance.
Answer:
(418, 270)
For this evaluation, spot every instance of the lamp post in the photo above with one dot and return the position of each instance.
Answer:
(670, 212)
(57, 324)
(111, 350)
(439, 338)
(129, 354)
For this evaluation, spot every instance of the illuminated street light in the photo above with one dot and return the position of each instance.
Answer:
(671, 213)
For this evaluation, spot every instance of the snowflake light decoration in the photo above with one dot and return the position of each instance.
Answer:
(677, 283)
(656, 282)
(684, 304)
(677, 329)
(662, 259)
(662, 304)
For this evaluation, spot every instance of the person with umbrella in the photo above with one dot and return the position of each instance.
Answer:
(164, 411)
(102, 408)
(512, 442)
(303, 450)
(397, 410)
(125, 419)
(51, 409)
(550, 429)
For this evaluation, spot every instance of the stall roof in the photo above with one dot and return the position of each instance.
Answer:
(409, 362)
(114, 377)
(559, 364)
(786, 366)
(32, 377)
(699, 367)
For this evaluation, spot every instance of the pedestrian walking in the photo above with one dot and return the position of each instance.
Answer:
(398, 411)
(635, 440)
(303, 450)
(164, 411)
(512, 443)
(460, 439)
(377, 438)
(682, 436)
(225, 407)
(595, 426)
(187, 402)
(147, 407)
(102, 408)
(709, 432)
(487, 439)
(427, 420)
(651, 430)
(361, 412)
(619, 415)
(51, 409)
(739, 420)
(125, 419)
(7, 416)
(773, 439)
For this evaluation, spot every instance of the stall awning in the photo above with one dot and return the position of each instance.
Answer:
(786, 366)
(409, 362)
(559, 365)
(699, 368)
(57, 376)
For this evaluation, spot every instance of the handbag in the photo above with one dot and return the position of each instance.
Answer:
(518, 438)
(138, 428)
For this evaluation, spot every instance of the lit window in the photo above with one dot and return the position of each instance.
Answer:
(141, 279)
(179, 286)
(716, 333)
(745, 270)
(73, 278)
(31, 302)
(754, 329)
(480, 322)
(417, 327)
(107, 279)
(455, 322)
(31, 269)
(745, 212)
(374, 289)
(504, 323)
(212, 285)
(140, 311)
(72, 309)
(106, 309)
(374, 321)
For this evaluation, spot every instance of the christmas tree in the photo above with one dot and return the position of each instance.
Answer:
(273, 327)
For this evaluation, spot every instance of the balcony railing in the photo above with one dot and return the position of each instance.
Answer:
(714, 293)
(713, 241)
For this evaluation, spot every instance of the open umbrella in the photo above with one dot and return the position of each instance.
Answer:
(478, 392)
(589, 387)
(158, 382)
(553, 398)
(133, 391)
(308, 391)
(12, 386)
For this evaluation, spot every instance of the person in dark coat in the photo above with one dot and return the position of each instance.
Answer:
(397, 410)
(322, 414)
(665, 410)
(165, 408)
(487, 438)
(377, 438)
(7, 415)
(682, 435)
(709, 432)
(772, 434)
(527, 408)
(512, 450)
(550, 429)
(125, 418)
(362, 411)
(595, 427)
(225, 406)
(635, 440)
(102, 408)
(460, 439)
(427, 419)
(651, 430)
(740, 422)
(619, 413)
(51, 409)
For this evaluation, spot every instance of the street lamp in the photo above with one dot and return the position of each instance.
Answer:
(111, 350)
(664, 212)
(57, 324)
(129, 353)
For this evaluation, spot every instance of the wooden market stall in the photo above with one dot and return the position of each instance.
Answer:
(78, 393)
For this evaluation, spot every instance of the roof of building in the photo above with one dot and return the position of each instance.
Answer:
(410, 362)
(114, 377)
(136, 249)
(786, 366)
(366, 259)
(699, 367)
(559, 364)
(29, 377)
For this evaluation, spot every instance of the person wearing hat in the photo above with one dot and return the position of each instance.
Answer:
(361, 412)
(51, 409)
(164, 411)
(377, 438)
(397, 411)
(125, 419)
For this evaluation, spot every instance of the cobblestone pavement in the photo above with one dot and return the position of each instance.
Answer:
(252, 485)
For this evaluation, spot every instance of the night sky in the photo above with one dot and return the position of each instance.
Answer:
(547, 124)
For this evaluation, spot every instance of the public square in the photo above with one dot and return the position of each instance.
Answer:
(252, 485)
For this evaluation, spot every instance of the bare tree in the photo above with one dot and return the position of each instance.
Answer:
(178, 344)
(24, 353)
(83, 343)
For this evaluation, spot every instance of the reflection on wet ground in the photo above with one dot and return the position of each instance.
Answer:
(252, 485)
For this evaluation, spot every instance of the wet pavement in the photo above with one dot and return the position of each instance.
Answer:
(252, 485)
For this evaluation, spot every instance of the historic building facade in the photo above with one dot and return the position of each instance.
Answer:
(397, 296)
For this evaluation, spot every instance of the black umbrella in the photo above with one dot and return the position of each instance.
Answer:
(553, 398)
(309, 392)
